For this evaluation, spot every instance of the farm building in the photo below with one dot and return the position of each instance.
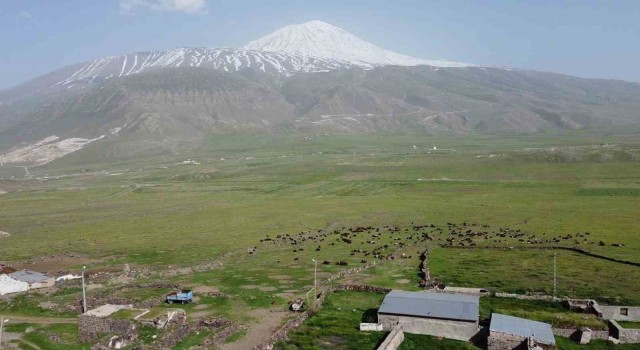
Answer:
(508, 332)
(453, 316)
(34, 279)
(9, 285)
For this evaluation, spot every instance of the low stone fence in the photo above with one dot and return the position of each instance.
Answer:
(361, 288)
(528, 297)
(393, 340)
(353, 270)
(219, 338)
(368, 327)
(573, 333)
(624, 335)
(281, 333)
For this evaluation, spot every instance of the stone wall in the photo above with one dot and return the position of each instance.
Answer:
(361, 288)
(281, 333)
(502, 341)
(217, 339)
(527, 297)
(616, 313)
(459, 330)
(624, 335)
(351, 271)
(368, 327)
(91, 328)
(393, 340)
(572, 333)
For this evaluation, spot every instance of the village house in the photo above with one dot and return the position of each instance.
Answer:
(453, 316)
(508, 332)
(34, 279)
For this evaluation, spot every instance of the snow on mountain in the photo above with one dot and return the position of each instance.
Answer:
(309, 47)
(323, 40)
(227, 59)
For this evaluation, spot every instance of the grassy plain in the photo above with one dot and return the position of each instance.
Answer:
(159, 212)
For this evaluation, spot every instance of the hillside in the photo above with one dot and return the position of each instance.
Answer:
(308, 78)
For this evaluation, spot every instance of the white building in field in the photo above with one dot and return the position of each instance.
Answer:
(9, 285)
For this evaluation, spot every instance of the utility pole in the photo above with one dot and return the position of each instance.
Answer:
(315, 276)
(555, 275)
(2, 322)
(84, 292)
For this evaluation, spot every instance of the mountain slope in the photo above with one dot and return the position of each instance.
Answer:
(158, 108)
(81, 76)
(470, 100)
(165, 101)
(322, 40)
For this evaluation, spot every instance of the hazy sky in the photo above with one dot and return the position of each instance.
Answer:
(595, 39)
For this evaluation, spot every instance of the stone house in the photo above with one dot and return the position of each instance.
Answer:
(508, 332)
(453, 316)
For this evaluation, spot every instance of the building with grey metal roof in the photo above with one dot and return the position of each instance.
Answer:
(432, 305)
(453, 316)
(33, 278)
(508, 332)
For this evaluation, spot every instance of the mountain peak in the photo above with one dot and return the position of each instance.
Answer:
(323, 40)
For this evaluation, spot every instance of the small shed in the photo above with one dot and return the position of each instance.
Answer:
(508, 332)
(34, 279)
(9, 285)
(453, 316)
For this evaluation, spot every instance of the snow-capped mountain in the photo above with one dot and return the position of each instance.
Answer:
(304, 48)
(323, 40)
(311, 77)
(226, 59)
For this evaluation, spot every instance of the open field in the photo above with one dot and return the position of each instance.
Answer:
(194, 225)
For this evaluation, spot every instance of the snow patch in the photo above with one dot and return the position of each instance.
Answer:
(4, 234)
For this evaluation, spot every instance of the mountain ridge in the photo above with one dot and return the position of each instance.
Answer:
(162, 101)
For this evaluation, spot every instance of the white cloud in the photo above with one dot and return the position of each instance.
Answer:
(24, 17)
(186, 6)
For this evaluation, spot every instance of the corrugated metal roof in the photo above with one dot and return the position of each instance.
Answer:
(30, 276)
(432, 305)
(539, 331)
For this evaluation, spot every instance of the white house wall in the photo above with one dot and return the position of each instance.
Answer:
(8, 285)
(459, 330)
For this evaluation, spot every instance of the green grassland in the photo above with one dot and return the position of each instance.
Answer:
(630, 324)
(160, 214)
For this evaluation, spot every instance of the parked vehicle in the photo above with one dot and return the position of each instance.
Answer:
(183, 297)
